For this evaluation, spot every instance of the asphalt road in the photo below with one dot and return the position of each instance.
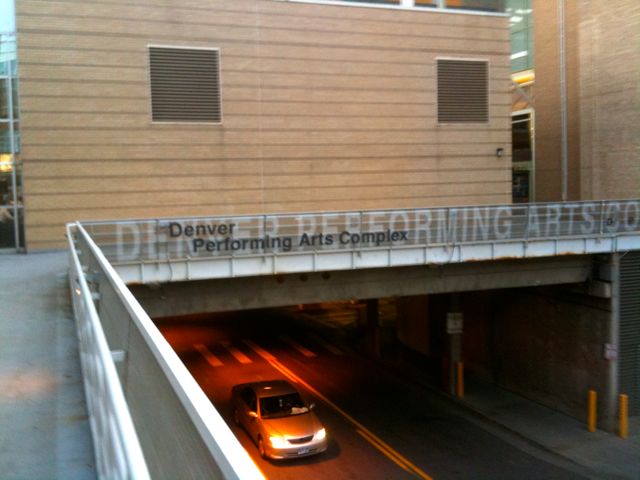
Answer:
(379, 426)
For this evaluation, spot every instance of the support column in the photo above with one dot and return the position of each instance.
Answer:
(610, 407)
(454, 332)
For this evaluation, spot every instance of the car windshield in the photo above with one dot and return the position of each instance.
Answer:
(282, 406)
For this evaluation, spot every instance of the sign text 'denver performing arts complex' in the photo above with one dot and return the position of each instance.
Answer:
(222, 236)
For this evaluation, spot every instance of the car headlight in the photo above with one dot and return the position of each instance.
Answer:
(320, 434)
(277, 441)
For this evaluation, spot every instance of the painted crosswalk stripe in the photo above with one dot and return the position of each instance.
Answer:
(304, 351)
(237, 354)
(324, 344)
(209, 357)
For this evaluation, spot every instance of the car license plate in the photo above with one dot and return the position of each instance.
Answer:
(302, 451)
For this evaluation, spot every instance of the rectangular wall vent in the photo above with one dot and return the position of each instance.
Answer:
(463, 91)
(185, 85)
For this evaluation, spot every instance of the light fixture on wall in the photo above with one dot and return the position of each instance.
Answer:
(499, 152)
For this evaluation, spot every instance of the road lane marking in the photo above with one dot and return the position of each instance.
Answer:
(259, 350)
(378, 443)
(210, 357)
(304, 351)
(387, 451)
(324, 344)
(237, 354)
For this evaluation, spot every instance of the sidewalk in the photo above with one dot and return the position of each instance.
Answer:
(44, 428)
(604, 454)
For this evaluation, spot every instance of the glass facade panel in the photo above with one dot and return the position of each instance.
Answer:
(4, 98)
(11, 219)
(7, 236)
(522, 142)
(521, 20)
(5, 138)
(386, 2)
(11, 211)
(483, 5)
(6, 188)
(426, 3)
(14, 91)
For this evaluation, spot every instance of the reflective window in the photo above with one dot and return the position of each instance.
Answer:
(484, 5)
(5, 137)
(6, 178)
(521, 21)
(11, 219)
(426, 3)
(388, 2)
(4, 98)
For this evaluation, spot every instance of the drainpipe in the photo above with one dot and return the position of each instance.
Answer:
(564, 162)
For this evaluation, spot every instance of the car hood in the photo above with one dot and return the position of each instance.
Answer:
(294, 426)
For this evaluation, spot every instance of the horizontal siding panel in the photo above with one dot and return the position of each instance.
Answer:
(229, 182)
(40, 141)
(115, 90)
(185, 169)
(58, 40)
(344, 53)
(187, 33)
(316, 195)
(266, 152)
(150, 183)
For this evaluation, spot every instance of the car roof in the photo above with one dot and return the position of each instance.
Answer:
(269, 388)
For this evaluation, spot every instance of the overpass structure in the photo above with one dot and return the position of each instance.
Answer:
(127, 363)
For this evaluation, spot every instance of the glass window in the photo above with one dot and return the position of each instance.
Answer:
(7, 170)
(6, 189)
(485, 5)
(8, 226)
(387, 2)
(14, 91)
(521, 21)
(5, 143)
(4, 98)
(426, 3)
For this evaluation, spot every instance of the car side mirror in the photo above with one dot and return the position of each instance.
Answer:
(312, 406)
(253, 414)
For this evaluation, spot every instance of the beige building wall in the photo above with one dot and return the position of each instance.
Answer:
(324, 108)
(603, 99)
(610, 99)
(548, 174)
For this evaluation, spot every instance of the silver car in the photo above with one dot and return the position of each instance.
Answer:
(278, 419)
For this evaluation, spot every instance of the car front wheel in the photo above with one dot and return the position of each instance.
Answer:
(263, 452)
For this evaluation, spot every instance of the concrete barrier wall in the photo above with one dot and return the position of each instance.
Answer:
(181, 433)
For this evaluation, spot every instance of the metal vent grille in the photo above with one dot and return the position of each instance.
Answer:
(463, 91)
(185, 85)
(629, 353)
